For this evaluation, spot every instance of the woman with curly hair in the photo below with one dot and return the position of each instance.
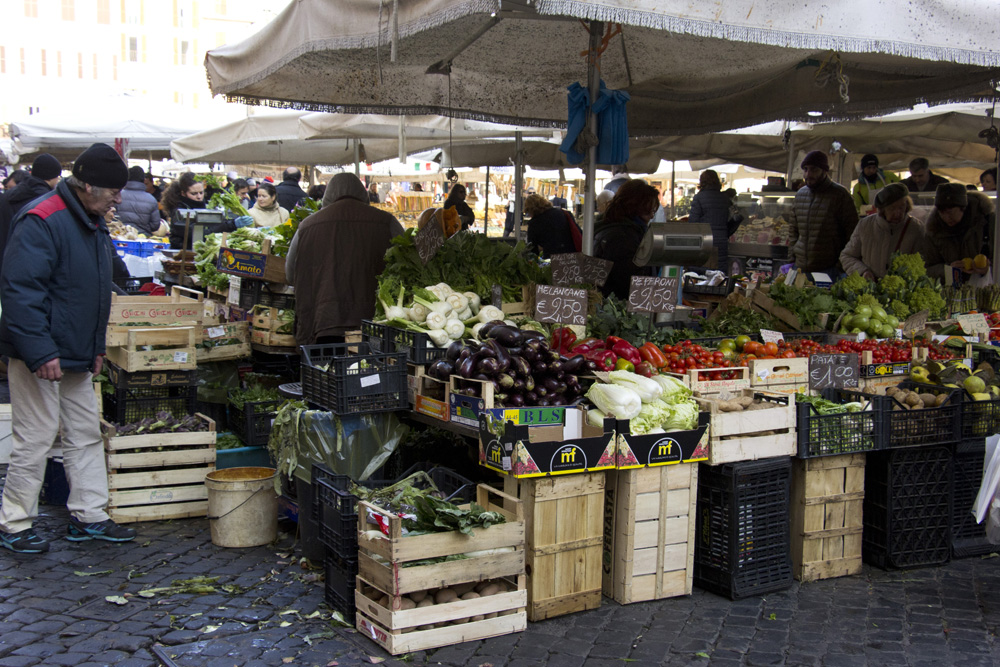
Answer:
(549, 228)
(619, 234)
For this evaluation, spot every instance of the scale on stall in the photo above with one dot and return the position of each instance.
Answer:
(197, 222)
(673, 245)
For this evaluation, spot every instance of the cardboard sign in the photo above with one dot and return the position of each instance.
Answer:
(833, 370)
(560, 305)
(653, 295)
(496, 295)
(429, 240)
(769, 336)
(575, 268)
(914, 323)
(974, 324)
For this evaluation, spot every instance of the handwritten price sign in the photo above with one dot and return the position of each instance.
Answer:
(575, 268)
(429, 240)
(560, 305)
(833, 370)
(653, 295)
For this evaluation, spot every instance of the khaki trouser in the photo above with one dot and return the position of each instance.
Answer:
(37, 409)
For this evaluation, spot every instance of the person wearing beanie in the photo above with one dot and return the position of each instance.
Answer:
(56, 292)
(45, 173)
(290, 194)
(335, 259)
(921, 178)
(878, 236)
(870, 181)
(822, 218)
(961, 225)
(139, 208)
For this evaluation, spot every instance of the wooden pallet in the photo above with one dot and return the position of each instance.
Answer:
(748, 436)
(164, 480)
(232, 330)
(564, 526)
(178, 353)
(649, 516)
(826, 516)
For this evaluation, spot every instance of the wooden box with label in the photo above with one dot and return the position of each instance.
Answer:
(156, 349)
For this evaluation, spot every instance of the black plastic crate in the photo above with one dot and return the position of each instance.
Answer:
(908, 507)
(417, 347)
(355, 383)
(835, 434)
(977, 419)
(968, 538)
(252, 422)
(722, 290)
(918, 428)
(257, 293)
(337, 506)
(131, 284)
(376, 335)
(743, 544)
(284, 366)
(125, 379)
(341, 580)
(126, 405)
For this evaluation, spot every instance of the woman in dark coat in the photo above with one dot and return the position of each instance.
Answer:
(619, 234)
(456, 198)
(549, 227)
(711, 206)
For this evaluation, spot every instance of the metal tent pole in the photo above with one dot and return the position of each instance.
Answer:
(594, 86)
(518, 184)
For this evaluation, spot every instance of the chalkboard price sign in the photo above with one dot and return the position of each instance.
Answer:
(496, 296)
(560, 305)
(429, 240)
(575, 268)
(833, 370)
(652, 295)
(594, 270)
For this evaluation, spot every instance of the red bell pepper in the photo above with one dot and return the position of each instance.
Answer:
(646, 369)
(563, 339)
(625, 349)
(653, 355)
(605, 359)
(586, 345)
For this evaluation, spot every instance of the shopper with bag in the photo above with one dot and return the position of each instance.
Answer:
(550, 229)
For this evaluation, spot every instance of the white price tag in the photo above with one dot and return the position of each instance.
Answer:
(216, 332)
(769, 336)
(861, 336)
(505, 461)
(180, 357)
(370, 380)
(763, 373)
(899, 334)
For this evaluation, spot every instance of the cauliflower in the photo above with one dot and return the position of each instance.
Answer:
(927, 298)
(899, 309)
(908, 267)
(891, 287)
(849, 287)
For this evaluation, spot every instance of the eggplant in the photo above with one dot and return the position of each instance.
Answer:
(518, 384)
(469, 389)
(541, 391)
(529, 383)
(506, 381)
(544, 402)
(488, 366)
(466, 367)
(550, 384)
(503, 357)
(515, 400)
(529, 353)
(501, 399)
(484, 331)
(531, 334)
(520, 366)
(506, 336)
(579, 400)
(555, 367)
(572, 380)
(484, 351)
(482, 377)
(539, 368)
(558, 400)
(553, 355)
(465, 353)
(517, 349)
(441, 369)
(561, 388)
(574, 363)
(530, 398)
(451, 354)
(560, 375)
(591, 365)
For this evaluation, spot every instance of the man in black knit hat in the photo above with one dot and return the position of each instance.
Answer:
(822, 219)
(45, 173)
(56, 291)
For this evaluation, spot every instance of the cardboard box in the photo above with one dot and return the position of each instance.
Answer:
(660, 449)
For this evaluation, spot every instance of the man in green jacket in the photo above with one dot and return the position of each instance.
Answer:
(823, 217)
(870, 182)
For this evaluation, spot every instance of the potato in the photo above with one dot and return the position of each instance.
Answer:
(759, 406)
(471, 595)
(426, 602)
(462, 589)
(929, 399)
(745, 401)
(445, 595)
(384, 601)
(492, 589)
(912, 398)
(730, 406)
(406, 603)
(939, 401)
(478, 617)
(490, 615)
(425, 627)
(417, 596)
(481, 585)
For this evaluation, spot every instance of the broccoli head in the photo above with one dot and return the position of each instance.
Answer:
(908, 267)
(849, 287)
(927, 298)
(899, 309)
(891, 287)
(868, 300)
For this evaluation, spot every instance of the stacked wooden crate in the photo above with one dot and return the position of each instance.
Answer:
(266, 326)
(748, 435)
(155, 332)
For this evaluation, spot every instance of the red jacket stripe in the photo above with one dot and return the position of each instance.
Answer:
(48, 207)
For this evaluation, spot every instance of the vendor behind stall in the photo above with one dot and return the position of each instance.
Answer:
(822, 219)
(871, 180)
(188, 194)
(960, 227)
(891, 229)
(550, 229)
(618, 236)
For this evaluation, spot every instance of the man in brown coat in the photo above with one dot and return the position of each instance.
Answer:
(822, 220)
(334, 261)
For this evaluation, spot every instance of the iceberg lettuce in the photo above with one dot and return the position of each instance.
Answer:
(615, 400)
(673, 389)
(647, 389)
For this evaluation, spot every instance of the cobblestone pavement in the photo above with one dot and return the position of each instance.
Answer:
(53, 611)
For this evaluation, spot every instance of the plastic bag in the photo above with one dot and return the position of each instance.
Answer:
(986, 500)
(993, 522)
(352, 445)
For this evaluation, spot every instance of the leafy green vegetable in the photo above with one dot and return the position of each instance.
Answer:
(612, 318)
(851, 432)
(253, 394)
(227, 441)
(807, 302)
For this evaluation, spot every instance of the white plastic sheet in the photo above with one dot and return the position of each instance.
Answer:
(987, 501)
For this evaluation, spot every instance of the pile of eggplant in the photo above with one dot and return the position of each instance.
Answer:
(519, 364)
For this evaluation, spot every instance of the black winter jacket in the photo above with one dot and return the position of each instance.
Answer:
(617, 241)
(13, 201)
(822, 221)
(56, 284)
(139, 208)
(290, 195)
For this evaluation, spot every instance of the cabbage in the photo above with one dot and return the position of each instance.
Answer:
(673, 389)
(614, 400)
(683, 417)
(645, 387)
(596, 418)
(652, 415)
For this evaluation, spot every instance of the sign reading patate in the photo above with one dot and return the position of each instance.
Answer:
(560, 305)
(833, 370)
(652, 295)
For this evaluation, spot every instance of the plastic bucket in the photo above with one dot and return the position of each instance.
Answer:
(242, 506)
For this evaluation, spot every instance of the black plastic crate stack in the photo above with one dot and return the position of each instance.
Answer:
(354, 383)
(142, 394)
(252, 422)
(917, 428)
(840, 433)
(908, 507)
(968, 538)
(257, 293)
(743, 543)
(338, 523)
(417, 347)
(376, 335)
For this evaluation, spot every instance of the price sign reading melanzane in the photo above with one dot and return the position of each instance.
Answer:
(560, 305)
(429, 240)
(653, 295)
(833, 370)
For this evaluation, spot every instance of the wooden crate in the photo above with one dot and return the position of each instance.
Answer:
(128, 312)
(767, 373)
(179, 351)
(403, 631)
(826, 516)
(564, 528)
(164, 480)
(751, 435)
(238, 331)
(705, 387)
(265, 328)
(649, 521)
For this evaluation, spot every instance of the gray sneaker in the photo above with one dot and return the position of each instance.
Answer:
(24, 542)
(108, 531)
